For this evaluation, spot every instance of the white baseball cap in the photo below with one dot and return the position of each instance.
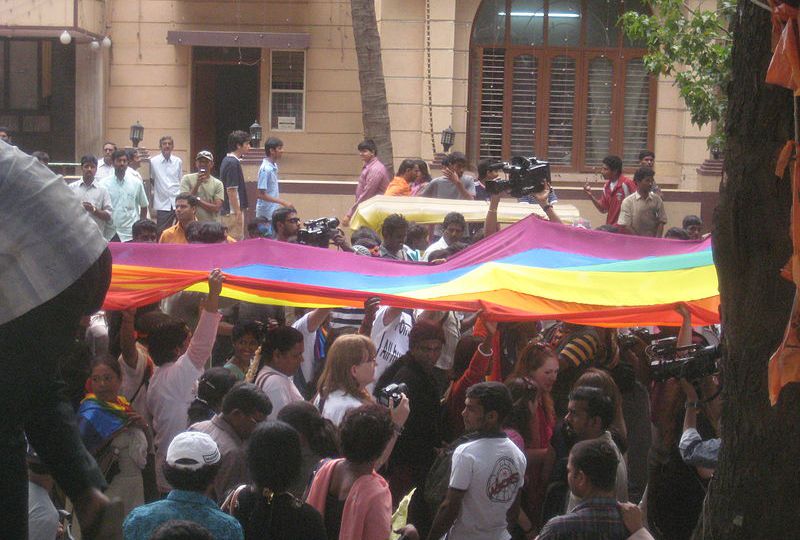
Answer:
(192, 450)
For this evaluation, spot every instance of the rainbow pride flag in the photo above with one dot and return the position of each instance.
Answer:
(533, 269)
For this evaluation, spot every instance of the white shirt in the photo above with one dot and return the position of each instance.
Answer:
(103, 170)
(309, 339)
(47, 239)
(167, 174)
(391, 340)
(336, 405)
(170, 391)
(95, 194)
(279, 389)
(436, 246)
(491, 471)
(132, 382)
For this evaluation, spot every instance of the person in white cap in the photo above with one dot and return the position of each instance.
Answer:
(209, 190)
(192, 463)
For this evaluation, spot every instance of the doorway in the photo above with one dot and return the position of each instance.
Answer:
(225, 97)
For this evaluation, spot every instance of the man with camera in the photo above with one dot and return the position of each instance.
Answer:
(209, 191)
(415, 450)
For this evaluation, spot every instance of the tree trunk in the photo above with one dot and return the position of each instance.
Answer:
(756, 490)
(374, 107)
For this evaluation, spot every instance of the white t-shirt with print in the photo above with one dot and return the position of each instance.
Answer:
(336, 405)
(491, 471)
(309, 340)
(390, 340)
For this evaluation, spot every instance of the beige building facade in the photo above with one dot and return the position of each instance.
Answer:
(553, 78)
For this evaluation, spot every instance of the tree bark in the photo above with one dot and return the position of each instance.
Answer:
(756, 488)
(374, 107)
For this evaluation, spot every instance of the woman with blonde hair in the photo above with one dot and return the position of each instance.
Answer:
(349, 368)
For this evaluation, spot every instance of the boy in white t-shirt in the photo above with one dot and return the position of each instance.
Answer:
(486, 474)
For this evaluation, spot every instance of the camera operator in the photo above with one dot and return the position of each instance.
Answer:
(288, 229)
(694, 450)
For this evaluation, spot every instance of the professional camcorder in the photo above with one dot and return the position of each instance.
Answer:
(392, 393)
(690, 363)
(634, 338)
(526, 175)
(318, 232)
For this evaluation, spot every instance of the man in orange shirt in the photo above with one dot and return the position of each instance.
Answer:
(185, 213)
(400, 186)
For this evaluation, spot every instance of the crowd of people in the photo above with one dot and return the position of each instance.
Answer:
(215, 418)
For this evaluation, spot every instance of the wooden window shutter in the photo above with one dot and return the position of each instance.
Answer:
(561, 112)
(492, 90)
(523, 105)
(637, 111)
(599, 110)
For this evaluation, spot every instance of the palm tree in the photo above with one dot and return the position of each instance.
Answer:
(374, 107)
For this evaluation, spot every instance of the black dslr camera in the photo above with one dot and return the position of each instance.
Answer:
(318, 232)
(392, 393)
(526, 175)
(690, 363)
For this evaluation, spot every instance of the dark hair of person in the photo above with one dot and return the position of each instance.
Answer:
(179, 529)
(405, 165)
(164, 339)
(454, 248)
(246, 397)
(465, 350)
(519, 418)
(143, 226)
(690, 220)
(118, 154)
(274, 455)
(88, 158)
(423, 168)
(188, 197)
(443, 253)
(247, 328)
(598, 461)
(598, 404)
(453, 158)
(130, 153)
(271, 144)
(424, 330)
(493, 397)
(454, 218)
(252, 226)
(212, 386)
(676, 233)
(282, 214)
(368, 144)
(146, 321)
(394, 222)
(364, 236)
(646, 153)
(211, 232)
(4, 129)
(42, 156)
(320, 433)
(614, 163)
(165, 138)
(111, 143)
(192, 232)
(483, 168)
(237, 138)
(189, 480)
(282, 339)
(607, 227)
(365, 431)
(643, 173)
(416, 232)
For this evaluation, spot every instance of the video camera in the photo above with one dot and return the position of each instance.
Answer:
(318, 232)
(526, 175)
(690, 363)
(392, 393)
(634, 338)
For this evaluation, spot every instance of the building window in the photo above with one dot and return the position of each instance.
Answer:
(558, 79)
(287, 90)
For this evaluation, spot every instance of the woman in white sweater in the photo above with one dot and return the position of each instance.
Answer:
(349, 368)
